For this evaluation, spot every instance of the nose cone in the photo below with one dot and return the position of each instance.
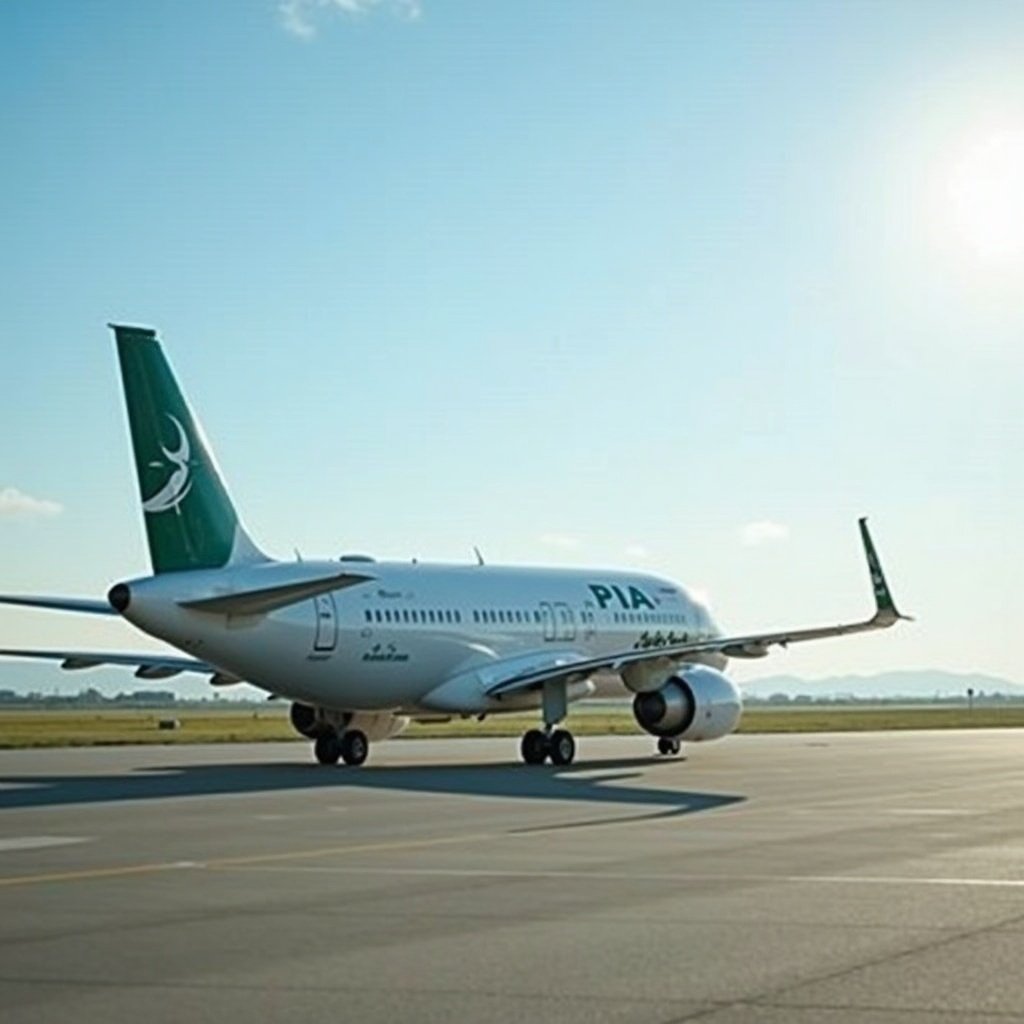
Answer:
(120, 596)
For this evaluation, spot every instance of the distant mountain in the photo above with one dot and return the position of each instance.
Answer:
(916, 683)
(48, 678)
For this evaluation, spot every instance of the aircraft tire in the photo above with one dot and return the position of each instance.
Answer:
(354, 746)
(562, 747)
(534, 747)
(327, 748)
(668, 746)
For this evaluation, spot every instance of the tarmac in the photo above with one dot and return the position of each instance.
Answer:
(833, 879)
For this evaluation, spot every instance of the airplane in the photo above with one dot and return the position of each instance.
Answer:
(361, 647)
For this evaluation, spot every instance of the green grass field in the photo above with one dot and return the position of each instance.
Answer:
(37, 728)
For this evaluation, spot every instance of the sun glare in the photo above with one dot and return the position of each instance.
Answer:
(985, 190)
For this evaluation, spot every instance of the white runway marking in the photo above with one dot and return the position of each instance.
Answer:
(38, 842)
(925, 812)
(626, 876)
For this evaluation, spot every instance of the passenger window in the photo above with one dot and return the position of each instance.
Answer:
(377, 615)
(369, 615)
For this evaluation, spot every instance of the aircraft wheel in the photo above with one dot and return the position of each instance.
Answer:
(534, 747)
(669, 746)
(563, 747)
(327, 748)
(354, 746)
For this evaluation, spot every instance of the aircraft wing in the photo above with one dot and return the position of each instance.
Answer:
(147, 666)
(63, 604)
(751, 645)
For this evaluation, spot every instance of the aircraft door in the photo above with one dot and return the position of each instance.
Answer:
(326, 637)
(547, 615)
(566, 622)
(589, 623)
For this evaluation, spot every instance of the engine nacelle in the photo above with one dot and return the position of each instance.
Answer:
(313, 722)
(698, 703)
(306, 720)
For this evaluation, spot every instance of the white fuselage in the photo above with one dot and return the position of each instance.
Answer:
(416, 637)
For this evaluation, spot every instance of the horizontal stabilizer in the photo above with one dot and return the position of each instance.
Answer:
(90, 606)
(268, 599)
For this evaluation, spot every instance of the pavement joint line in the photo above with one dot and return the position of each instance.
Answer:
(781, 996)
(928, 1013)
(342, 987)
(251, 860)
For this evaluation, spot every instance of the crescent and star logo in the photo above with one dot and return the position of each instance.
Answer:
(179, 483)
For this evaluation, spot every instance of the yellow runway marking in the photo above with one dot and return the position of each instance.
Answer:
(87, 874)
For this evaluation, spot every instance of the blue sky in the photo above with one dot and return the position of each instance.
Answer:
(579, 283)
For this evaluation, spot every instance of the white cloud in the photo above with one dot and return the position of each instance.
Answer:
(17, 504)
(560, 540)
(300, 17)
(637, 551)
(764, 531)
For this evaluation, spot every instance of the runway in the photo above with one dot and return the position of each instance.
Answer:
(813, 878)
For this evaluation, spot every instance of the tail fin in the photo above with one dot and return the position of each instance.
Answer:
(190, 521)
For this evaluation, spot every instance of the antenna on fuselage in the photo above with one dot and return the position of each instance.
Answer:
(479, 557)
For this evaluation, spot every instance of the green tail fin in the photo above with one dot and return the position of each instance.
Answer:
(190, 521)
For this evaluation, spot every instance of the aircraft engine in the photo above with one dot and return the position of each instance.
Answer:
(698, 703)
(313, 721)
(306, 721)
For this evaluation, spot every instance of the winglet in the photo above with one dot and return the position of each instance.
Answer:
(886, 612)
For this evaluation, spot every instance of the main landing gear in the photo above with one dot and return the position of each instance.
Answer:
(538, 745)
(351, 746)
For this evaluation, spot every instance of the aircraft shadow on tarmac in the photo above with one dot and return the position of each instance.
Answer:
(605, 782)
